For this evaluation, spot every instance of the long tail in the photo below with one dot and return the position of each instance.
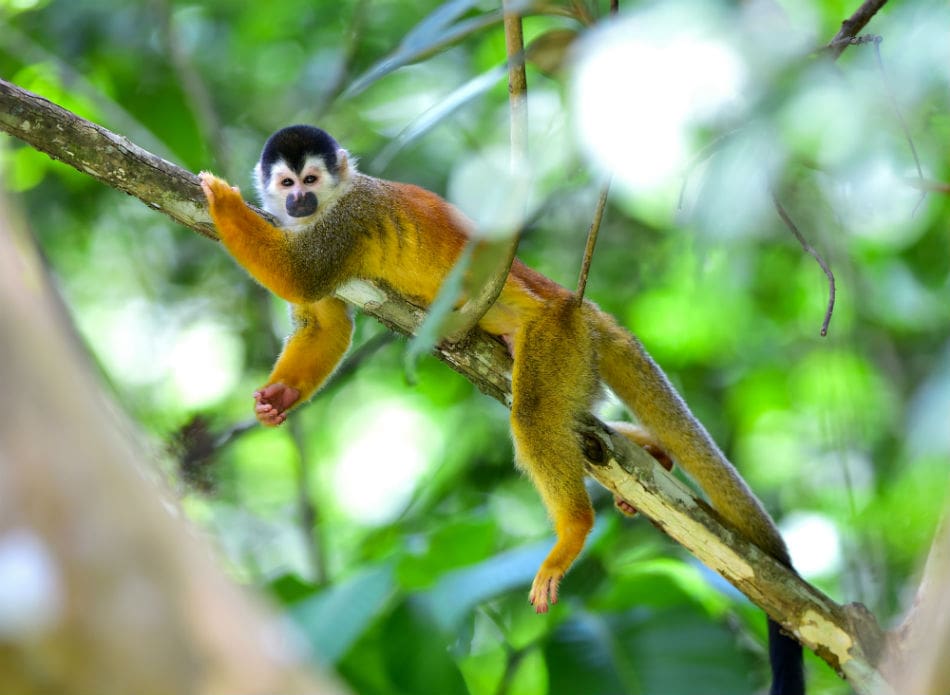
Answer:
(636, 379)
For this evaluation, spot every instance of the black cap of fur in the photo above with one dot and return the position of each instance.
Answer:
(294, 144)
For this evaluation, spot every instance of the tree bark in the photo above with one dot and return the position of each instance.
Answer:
(105, 590)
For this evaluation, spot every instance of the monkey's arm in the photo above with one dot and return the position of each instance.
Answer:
(321, 337)
(261, 248)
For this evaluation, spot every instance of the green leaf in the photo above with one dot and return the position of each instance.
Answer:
(405, 655)
(635, 652)
(430, 332)
(483, 672)
(290, 588)
(660, 583)
(430, 118)
(335, 619)
(531, 675)
(436, 32)
(452, 545)
(458, 592)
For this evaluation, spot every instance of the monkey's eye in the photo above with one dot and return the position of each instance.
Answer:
(287, 183)
(310, 178)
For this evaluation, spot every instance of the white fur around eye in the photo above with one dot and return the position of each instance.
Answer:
(327, 187)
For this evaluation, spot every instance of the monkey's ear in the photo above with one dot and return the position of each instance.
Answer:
(346, 166)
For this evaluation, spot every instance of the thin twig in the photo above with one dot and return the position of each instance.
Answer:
(351, 44)
(500, 253)
(852, 26)
(876, 40)
(581, 12)
(309, 514)
(926, 185)
(592, 241)
(594, 228)
(517, 86)
(814, 254)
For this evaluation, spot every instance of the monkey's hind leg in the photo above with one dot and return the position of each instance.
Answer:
(553, 382)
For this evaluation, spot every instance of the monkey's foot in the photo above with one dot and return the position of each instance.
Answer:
(544, 589)
(272, 402)
(624, 507)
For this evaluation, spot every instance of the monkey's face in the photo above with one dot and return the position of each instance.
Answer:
(299, 197)
(295, 195)
(301, 173)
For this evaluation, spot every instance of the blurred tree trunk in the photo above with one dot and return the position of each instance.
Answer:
(917, 661)
(103, 587)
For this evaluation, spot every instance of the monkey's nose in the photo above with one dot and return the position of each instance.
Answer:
(301, 205)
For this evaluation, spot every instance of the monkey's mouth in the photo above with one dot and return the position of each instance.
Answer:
(302, 205)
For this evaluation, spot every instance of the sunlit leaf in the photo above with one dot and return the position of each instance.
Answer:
(483, 672)
(475, 87)
(430, 332)
(531, 675)
(660, 583)
(437, 31)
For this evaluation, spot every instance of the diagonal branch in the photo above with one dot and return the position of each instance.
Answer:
(105, 156)
(810, 250)
(853, 25)
(845, 637)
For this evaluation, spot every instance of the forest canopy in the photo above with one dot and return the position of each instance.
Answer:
(386, 517)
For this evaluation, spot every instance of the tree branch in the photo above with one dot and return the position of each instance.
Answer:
(845, 637)
(105, 156)
(852, 26)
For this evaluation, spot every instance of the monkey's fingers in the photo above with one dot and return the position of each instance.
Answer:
(544, 590)
(273, 401)
(624, 507)
(269, 416)
(215, 188)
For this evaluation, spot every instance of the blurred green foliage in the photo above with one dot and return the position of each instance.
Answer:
(389, 520)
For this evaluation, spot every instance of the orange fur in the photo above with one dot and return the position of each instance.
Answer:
(408, 238)
(322, 336)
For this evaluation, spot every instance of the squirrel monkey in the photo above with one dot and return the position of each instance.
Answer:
(337, 223)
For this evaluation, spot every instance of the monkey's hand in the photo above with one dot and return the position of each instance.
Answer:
(218, 191)
(272, 402)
